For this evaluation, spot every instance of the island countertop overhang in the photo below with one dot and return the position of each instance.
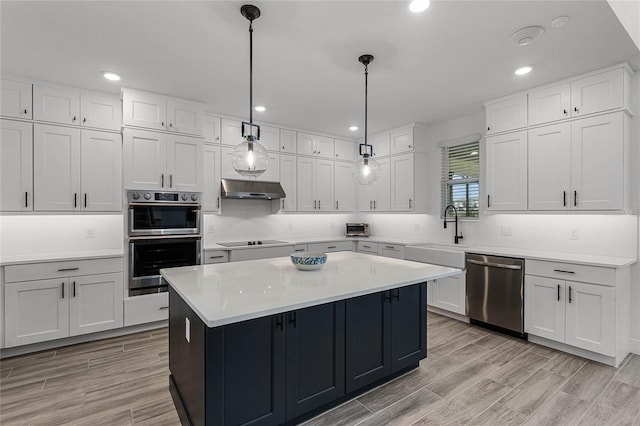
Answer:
(226, 293)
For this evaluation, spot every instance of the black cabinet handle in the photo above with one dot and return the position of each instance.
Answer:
(84, 120)
(314, 204)
(575, 198)
(396, 294)
(387, 296)
(293, 319)
(163, 308)
(575, 109)
(564, 198)
(370, 205)
(74, 118)
(374, 204)
(558, 292)
(283, 203)
(68, 269)
(62, 285)
(170, 124)
(318, 204)
(488, 128)
(563, 271)
(171, 180)
(162, 122)
(488, 200)
(25, 111)
(409, 202)
(26, 199)
(570, 294)
(74, 289)
(331, 247)
(279, 322)
(75, 200)
(565, 111)
(85, 200)
(216, 257)
(336, 204)
(162, 180)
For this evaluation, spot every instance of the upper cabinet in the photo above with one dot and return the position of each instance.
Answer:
(16, 99)
(100, 110)
(506, 177)
(211, 184)
(550, 103)
(315, 145)
(16, 166)
(408, 177)
(600, 92)
(345, 150)
(402, 140)
(154, 111)
(506, 114)
(381, 143)
(211, 128)
(270, 138)
(288, 140)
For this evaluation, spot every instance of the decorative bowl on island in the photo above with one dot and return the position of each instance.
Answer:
(307, 261)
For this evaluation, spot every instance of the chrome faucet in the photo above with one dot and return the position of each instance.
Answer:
(456, 238)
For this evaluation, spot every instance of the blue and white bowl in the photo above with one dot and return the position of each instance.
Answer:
(306, 261)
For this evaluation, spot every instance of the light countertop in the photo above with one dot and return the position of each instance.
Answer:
(58, 257)
(226, 293)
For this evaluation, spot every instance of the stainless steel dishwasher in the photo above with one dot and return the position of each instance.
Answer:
(495, 292)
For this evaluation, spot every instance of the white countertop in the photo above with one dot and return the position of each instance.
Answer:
(58, 257)
(226, 293)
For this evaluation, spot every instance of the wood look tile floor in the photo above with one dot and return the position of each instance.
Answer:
(471, 376)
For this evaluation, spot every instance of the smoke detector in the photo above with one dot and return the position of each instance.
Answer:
(527, 35)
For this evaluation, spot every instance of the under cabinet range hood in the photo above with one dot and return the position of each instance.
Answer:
(251, 189)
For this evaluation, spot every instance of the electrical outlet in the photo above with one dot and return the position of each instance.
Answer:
(505, 231)
(574, 233)
(91, 232)
(210, 229)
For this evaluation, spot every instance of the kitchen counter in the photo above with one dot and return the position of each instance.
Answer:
(58, 257)
(226, 293)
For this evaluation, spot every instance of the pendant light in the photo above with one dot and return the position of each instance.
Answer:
(365, 170)
(250, 158)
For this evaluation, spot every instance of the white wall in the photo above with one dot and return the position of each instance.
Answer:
(628, 13)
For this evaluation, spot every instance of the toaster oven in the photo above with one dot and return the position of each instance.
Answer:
(357, 230)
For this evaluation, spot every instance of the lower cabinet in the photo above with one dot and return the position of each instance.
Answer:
(331, 246)
(53, 308)
(449, 293)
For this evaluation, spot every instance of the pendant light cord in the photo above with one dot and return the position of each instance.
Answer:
(251, 75)
(366, 77)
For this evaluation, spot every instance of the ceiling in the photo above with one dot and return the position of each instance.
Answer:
(428, 67)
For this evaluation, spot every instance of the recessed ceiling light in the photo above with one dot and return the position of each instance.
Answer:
(260, 108)
(523, 70)
(111, 76)
(353, 128)
(560, 21)
(417, 6)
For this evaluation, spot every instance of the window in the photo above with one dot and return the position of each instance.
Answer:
(460, 179)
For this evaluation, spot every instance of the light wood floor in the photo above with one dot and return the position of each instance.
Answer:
(471, 376)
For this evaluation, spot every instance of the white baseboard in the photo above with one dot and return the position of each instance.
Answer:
(449, 314)
(635, 346)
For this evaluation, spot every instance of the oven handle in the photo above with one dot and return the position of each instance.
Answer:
(494, 265)
(164, 237)
(168, 203)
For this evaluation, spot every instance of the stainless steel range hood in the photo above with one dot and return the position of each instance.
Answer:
(251, 189)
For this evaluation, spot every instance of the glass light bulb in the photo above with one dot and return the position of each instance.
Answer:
(365, 170)
(250, 159)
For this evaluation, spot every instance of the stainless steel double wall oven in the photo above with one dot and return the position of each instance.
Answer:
(164, 232)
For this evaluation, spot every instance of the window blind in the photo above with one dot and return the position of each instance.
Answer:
(461, 179)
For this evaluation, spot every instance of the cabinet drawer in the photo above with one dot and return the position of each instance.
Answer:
(367, 247)
(572, 272)
(216, 256)
(147, 308)
(259, 253)
(68, 268)
(333, 246)
(391, 250)
(300, 247)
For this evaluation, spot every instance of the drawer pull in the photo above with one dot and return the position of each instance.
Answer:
(570, 300)
(366, 247)
(216, 257)
(62, 287)
(299, 250)
(68, 269)
(563, 271)
(163, 308)
(390, 247)
(331, 247)
(558, 292)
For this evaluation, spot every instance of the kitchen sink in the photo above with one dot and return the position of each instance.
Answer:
(452, 255)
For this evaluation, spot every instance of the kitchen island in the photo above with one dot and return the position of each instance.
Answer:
(260, 342)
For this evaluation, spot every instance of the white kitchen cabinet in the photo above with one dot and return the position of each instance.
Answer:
(381, 143)
(331, 246)
(597, 162)
(16, 99)
(270, 138)
(158, 112)
(408, 174)
(300, 247)
(449, 293)
(367, 247)
(211, 184)
(402, 140)
(315, 145)
(16, 166)
(344, 186)
(506, 114)
(345, 150)
(549, 103)
(545, 307)
(289, 182)
(377, 195)
(600, 92)
(255, 253)
(506, 171)
(391, 250)
(56, 104)
(155, 160)
(100, 171)
(232, 132)
(100, 110)
(216, 256)
(549, 160)
(52, 300)
(146, 308)
(272, 174)
(315, 191)
(288, 140)
(211, 128)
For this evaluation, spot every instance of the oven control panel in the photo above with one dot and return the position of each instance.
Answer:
(163, 197)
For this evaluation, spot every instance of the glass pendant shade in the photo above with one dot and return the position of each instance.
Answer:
(365, 170)
(250, 159)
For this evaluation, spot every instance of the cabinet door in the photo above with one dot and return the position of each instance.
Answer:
(381, 144)
(211, 184)
(96, 303)
(36, 311)
(591, 317)
(368, 339)
(16, 166)
(366, 195)
(16, 99)
(101, 171)
(507, 114)
(231, 132)
(56, 168)
(101, 110)
(184, 116)
(145, 160)
(324, 147)
(288, 180)
(306, 144)
(56, 104)
(549, 104)
(408, 326)
(550, 167)
(507, 171)
(449, 294)
(382, 201)
(144, 109)
(306, 192)
(345, 150)
(270, 138)
(343, 187)
(324, 185)
(228, 172)
(272, 174)
(597, 163)
(600, 92)
(184, 163)
(211, 128)
(395, 251)
(402, 191)
(288, 141)
(402, 140)
(544, 309)
(315, 357)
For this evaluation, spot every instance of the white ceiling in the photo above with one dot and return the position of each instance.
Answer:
(428, 67)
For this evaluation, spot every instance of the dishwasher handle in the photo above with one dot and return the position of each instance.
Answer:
(494, 265)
